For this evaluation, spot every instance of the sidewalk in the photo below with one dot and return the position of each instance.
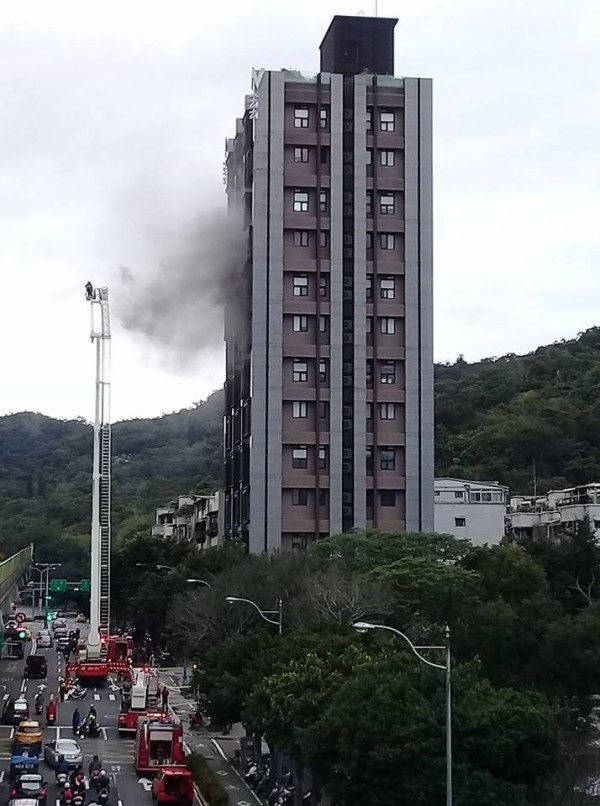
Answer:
(216, 748)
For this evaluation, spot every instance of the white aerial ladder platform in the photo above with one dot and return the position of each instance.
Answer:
(97, 642)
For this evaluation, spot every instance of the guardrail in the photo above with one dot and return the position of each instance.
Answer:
(13, 568)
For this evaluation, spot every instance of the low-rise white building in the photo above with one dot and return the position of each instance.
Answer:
(475, 510)
(558, 508)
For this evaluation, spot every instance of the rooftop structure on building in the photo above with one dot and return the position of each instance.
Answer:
(329, 362)
(558, 509)
(475, 510)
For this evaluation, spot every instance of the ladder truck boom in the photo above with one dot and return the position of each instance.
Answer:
(96, 645)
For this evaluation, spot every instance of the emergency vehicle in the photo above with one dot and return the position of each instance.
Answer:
(139, 698)
(158, 745)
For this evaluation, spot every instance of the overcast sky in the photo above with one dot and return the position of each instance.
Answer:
(113, 117)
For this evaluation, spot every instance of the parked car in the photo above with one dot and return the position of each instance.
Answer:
(44, 639)
(81, 618)
(59, 622)
(14, 710)
(29, 785)
(36, 667)
(63, 747)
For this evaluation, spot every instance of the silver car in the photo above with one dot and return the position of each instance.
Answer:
(44, 640)
(63, 747)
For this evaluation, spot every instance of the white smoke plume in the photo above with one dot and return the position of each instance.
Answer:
(178, 306)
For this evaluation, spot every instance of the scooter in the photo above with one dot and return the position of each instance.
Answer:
(76, 693)
(62, 778)
(39, 704)
(78, 799)
(102, 797)
(196, 721)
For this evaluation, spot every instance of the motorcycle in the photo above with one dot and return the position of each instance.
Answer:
(94, 778)
(78, 799)
(39, 704)
(50, 717)
(89, 729)
(102, 797)
(196, 721)
(62, 778)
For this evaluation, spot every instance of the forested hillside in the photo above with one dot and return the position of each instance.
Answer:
(505, 418)
(45, 473)
(495, 419)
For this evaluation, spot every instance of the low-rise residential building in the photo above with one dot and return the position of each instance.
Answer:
(557, 509)
(475, 510)
(195, 518)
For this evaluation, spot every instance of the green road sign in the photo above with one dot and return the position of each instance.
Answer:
(51, 615)
(58, 584)
(85, 584)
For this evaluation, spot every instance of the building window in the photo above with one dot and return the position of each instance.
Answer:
(299, 409)
(369, 373)
(387, 159)
(387, 121)
(369, 324)
(323, 404)
(369, 411)
(300, 497)
(323, 286)
(301, 154)
(300, 372)
(301, 117)
(387, 288)
(323, 201)
(369, 119)
(300, 324)
(387, 498)
(324, 155)
(300, 285)
(323, 371)
(369, 290)
(387, 459)
(387, 373)
(369, 455)
(458, 494)
(300, 457)
(387, 241)
(324, 239)
(387, 325)
(323, 457)
(323, 117)
(301, 201)
(300, 237)
(369, 156)
(475, 496)
(460, 521)
(323, 498)
(369, 240)
(322, 324)
(486, 497)
(387, 204)
(387, 411)
(369, 204)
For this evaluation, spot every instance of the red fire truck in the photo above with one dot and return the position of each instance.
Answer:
(115, 658)
(158, 744)
(139, 698)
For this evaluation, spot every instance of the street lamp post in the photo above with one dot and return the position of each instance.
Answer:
(42, 568)
(364, 626)
(263, 613)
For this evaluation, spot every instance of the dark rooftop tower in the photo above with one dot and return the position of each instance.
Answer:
(354, 45)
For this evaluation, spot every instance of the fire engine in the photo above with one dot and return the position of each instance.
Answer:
(139, 698)
(158, 745)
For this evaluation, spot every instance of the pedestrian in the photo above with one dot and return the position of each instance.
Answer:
(61, 689)
(165, 699)
(76, 721)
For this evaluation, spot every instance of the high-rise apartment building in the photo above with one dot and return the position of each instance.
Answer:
(329, 388)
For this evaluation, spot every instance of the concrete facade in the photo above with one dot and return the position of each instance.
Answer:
(558, 509)
(473, 510)
(329, 385)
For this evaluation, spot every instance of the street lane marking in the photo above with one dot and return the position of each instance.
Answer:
(12, 733)
(2, 777)
(103, 731)
(112, 697)
(96, 696)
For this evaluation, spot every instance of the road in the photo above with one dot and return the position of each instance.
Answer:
(116, 753)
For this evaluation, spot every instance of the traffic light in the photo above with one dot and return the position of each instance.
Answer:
(22, 635)
(85, 584)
